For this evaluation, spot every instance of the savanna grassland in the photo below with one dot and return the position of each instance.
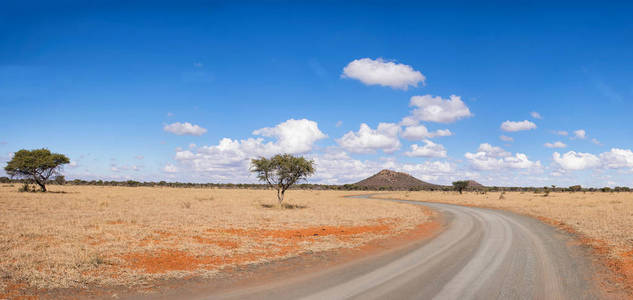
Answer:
(75, 237)
(603, 221)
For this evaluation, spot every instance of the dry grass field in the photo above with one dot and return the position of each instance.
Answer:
(80, 236)
(602, 220)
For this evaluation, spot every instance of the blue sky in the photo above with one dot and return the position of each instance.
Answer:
(113, 86)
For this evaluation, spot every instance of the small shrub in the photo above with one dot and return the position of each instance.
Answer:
(26, 188)
(575, 188)
(96, 260)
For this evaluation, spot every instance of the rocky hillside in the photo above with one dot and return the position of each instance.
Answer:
(474, 184)
(393, 180)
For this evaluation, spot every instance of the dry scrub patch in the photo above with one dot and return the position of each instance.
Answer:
(132, 237)
(602, 220)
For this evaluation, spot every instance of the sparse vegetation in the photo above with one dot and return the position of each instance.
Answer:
(104, 236)
(311, 186)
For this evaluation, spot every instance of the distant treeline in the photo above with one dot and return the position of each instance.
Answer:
(60, 180)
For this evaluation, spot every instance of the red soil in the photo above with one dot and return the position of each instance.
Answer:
(288, 242)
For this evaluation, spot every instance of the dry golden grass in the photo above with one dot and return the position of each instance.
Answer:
(123, 236)
(604, 220)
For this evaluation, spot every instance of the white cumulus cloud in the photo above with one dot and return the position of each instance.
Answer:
(429, 149)
(490, 157)
(294, 136)
(367, 140)
(557, 144)
(230, 159)
(436, 109)
(512, 126)
(184, 129)
(493, 151)
(617, 158)
(382, 72)
(419, 132)
(573, 160)
(430, 171)
(337, 167)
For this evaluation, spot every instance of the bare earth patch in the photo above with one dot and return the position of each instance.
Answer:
(603, 221)
(91, 237)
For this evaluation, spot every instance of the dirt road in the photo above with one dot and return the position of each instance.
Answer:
(482, 254)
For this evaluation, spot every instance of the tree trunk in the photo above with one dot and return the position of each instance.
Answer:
(280, 196)
(37, 178)
(42, 186)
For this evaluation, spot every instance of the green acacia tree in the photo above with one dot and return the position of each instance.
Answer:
(460, 185)
(282, 171)
(37, 165)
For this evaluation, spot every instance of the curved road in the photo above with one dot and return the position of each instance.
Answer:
(482, 254)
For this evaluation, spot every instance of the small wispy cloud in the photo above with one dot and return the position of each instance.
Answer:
(580, 134)
(184, 129)
(556, 145)
(506, 138)
(169, 168)
(561, 132)
(512, 126)
(536, 115)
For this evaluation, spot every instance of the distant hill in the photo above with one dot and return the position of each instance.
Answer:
(474, 184)
(394, 180)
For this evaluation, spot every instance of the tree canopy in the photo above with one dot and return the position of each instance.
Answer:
(460, 185)
(37, 165)
(282, 171)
